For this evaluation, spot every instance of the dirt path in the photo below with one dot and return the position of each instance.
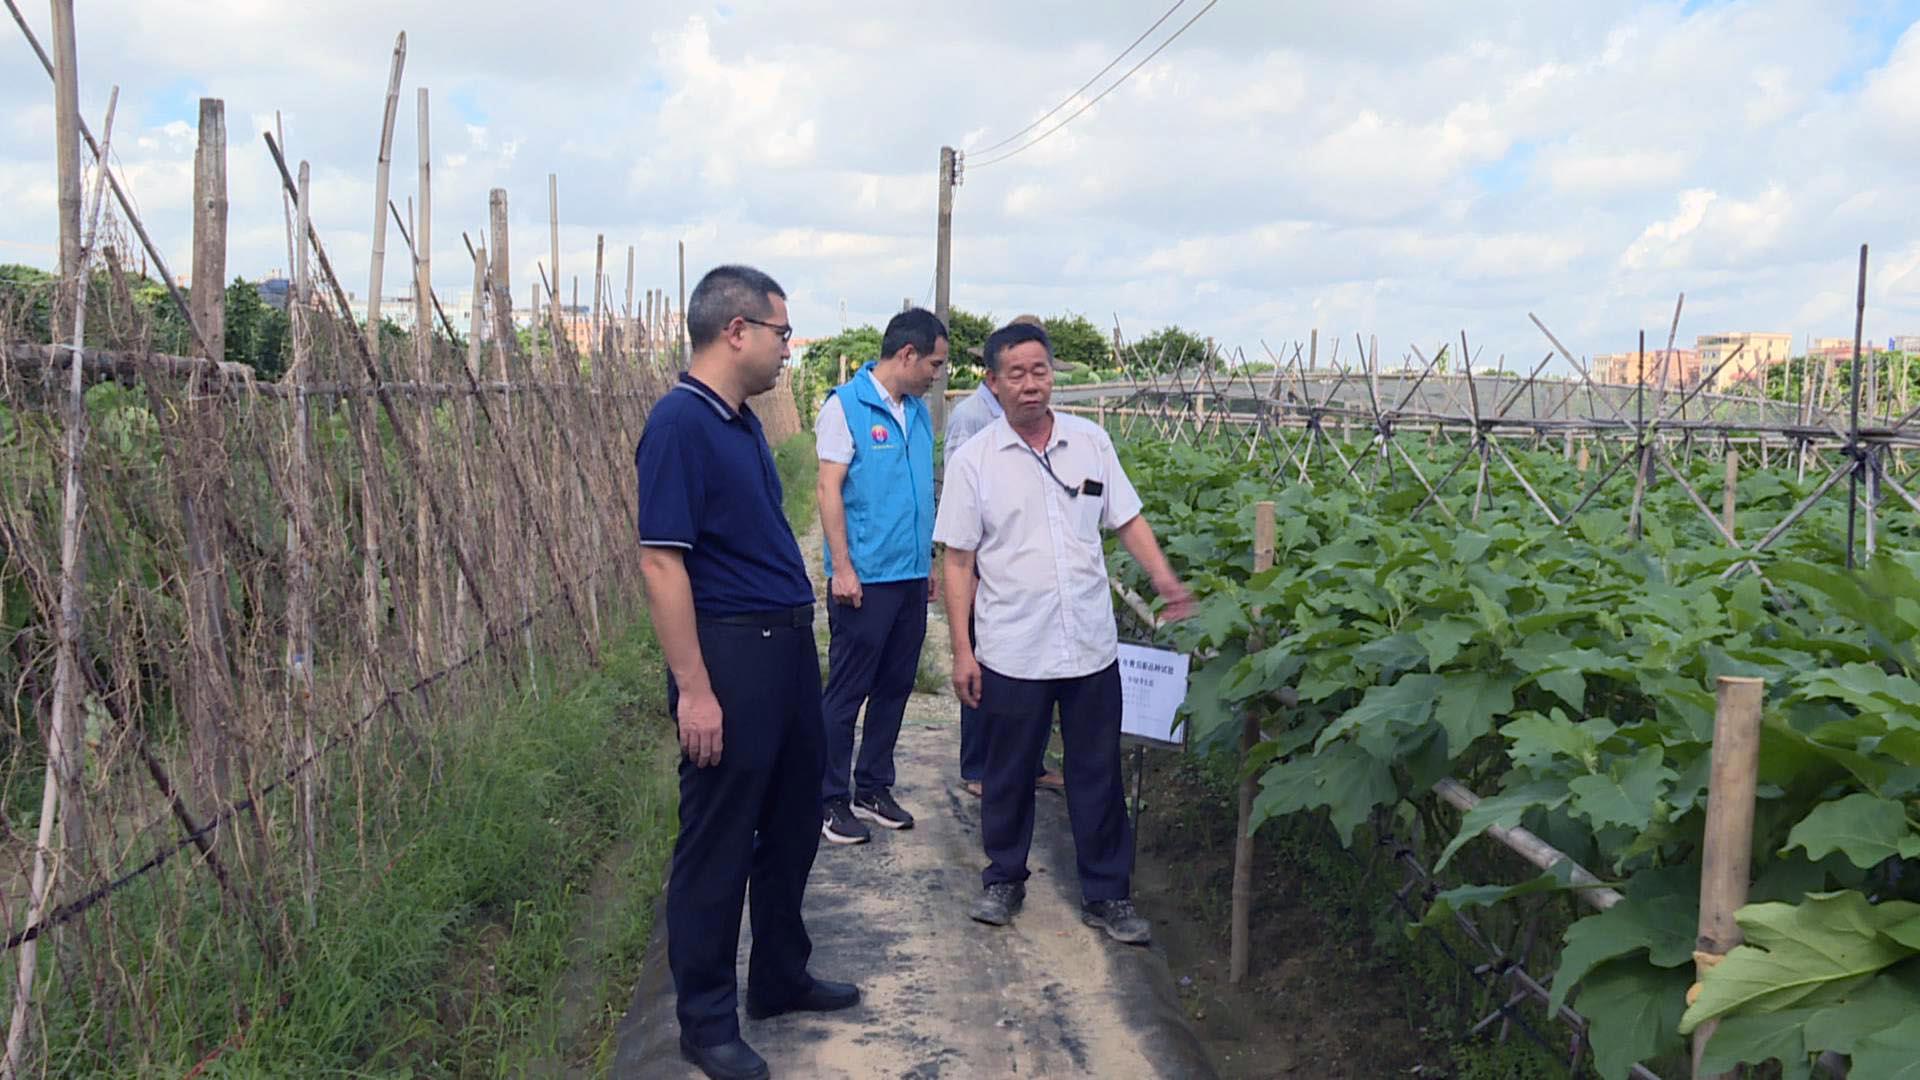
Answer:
(944, 996)
(947, 997)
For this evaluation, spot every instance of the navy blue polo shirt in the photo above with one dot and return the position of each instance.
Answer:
(709, 487)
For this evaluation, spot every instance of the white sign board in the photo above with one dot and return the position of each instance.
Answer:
(1153, 685)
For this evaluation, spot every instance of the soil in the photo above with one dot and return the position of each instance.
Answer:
(1315, 1003)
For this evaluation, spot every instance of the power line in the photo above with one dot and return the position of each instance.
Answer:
(1110, 89)
(1083, 89)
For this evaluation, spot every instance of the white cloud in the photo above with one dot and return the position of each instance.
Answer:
(1399, 167)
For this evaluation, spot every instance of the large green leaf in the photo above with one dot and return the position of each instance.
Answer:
(1893, 1054)
(1407, 704)
(1444, 638)
(1660, 915)
(1867, 829)
(1631, 1008)
(1626, 794)
(1538, 742)
(1757, 1038)
(1346, 780)
(1557, 878)
(1793, 952)
(1470, 702)
(1864, 686)
(1863, 1011)
(1504, 810)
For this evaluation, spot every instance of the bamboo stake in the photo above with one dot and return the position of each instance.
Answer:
(300, 544)
(376, 273)
(1727, 850)
(64, 743)
(426, 562)
(553, 224)
(1263, 536)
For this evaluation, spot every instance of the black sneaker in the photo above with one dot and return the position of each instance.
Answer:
(880, 809)
(999, 903)
(839, 826)
(1119, 920)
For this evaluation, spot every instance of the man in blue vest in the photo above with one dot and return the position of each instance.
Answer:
(874, 438)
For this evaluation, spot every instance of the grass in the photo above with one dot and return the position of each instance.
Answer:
(798, 468)
(456, 949)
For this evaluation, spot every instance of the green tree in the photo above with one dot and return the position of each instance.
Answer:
(1166, 349)
(257, 332)
(1079, 344)
(819, 367)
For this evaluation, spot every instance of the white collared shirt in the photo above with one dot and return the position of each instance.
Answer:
(1042, 609)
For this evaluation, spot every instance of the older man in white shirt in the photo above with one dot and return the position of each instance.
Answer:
(1025, 502)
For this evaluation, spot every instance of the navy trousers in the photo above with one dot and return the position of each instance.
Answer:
(749, 820)
(973, 736)
(1018, 715)
(872, 658)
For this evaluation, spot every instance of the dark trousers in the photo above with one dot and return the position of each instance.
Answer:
(872, 658)
(973, 736)
(749, 819)
(1018, 714)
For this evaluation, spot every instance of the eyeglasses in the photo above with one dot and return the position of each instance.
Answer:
(785, 331)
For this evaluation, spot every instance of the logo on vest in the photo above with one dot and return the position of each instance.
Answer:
(879, 433)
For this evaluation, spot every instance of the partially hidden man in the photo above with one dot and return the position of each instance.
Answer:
(733, 609)
(874, 439)
(1026, 502)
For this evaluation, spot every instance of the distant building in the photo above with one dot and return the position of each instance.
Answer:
(1664, 367)
(1751, 352)
(1907, 343)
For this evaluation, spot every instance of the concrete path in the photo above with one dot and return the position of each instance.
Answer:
(945, 996)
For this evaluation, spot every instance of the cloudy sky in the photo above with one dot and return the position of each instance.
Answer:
(1394, 167)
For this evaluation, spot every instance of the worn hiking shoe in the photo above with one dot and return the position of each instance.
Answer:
(999, 903)
(1118, 919)
(839, 826)
(880, 809)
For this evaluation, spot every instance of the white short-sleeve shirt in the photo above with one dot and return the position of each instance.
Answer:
(833, 439)
(1043, 609)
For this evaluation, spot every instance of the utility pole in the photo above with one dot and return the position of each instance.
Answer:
(951, 162)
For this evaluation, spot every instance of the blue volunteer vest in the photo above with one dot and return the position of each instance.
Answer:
(889, 486)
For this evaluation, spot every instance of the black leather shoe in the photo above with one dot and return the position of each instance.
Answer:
(824, 996)
(729, 1061)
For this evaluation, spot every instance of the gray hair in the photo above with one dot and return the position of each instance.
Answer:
(726, 293)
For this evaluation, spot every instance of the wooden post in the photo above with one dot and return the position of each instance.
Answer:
(373, 610)
(599, 277)
(1586, 458)
(1263, 534)
(1730, 487)
(500, 272)
(629, 334)
(685, 347)
(943, 275)
(1727, 852)
(202, 498)
(66, 142)
(557, 318)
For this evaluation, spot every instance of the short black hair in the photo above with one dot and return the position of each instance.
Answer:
(917, 327)
(727, 292)
(1010, 335)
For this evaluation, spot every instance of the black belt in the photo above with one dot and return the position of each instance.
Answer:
(766, 620)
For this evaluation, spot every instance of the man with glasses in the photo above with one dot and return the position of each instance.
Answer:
(1025, 501)
(874, 439)
(732, 607)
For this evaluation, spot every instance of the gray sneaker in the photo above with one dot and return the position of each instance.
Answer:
(1119, 920)
(999, 903)
(839, 826)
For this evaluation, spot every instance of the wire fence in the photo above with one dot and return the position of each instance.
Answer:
(278, 594)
